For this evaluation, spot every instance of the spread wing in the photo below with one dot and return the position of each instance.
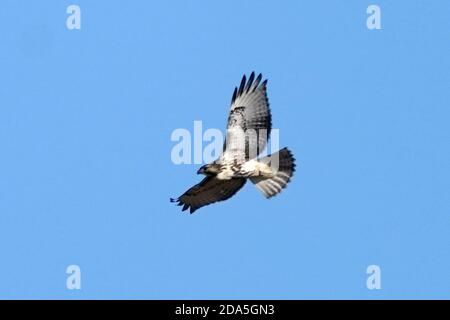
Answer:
(249, 122)
(208, 191)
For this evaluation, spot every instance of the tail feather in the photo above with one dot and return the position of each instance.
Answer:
(282, 164)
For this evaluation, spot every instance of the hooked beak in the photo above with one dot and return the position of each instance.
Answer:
(201, 170)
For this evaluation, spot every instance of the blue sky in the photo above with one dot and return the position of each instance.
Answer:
(86, 175)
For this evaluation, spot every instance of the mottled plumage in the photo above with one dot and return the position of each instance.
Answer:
(248, 129)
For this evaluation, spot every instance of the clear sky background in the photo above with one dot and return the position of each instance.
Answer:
(86, 175)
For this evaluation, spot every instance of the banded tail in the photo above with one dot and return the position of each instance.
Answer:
(283, 172)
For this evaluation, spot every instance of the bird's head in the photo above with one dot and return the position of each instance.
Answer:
(209, 169)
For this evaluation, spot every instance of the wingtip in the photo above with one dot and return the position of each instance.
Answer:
(234, 95)
(250, 82)
(242, 85)
(252, 76)
(256, 82)
(248, 86)
(177, 201)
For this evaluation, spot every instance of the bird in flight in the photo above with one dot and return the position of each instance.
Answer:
(248, 129)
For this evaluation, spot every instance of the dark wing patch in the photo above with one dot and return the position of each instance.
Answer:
(208, 191)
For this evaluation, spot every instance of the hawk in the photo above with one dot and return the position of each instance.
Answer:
(248, 129)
